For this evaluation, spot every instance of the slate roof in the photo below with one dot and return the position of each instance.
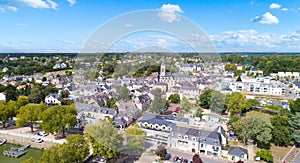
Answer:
(297, 84)
(154, 119)
(91, 108)
(237, 151)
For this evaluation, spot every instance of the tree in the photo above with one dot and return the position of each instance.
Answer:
(36, 95)
(44, 79)
(198, 112)
(134, 139)
(22, 101)
(213, 100)
(49, 90)
(158, 103)
(295, 106)
(185, 106)
(105, 139)
(294, 124)
(197, 159)
(265, 155)
(253, 103)
(30, 113)
(236, 103)
(64, 94)
(124, 94)
(205, 99)
(174, 98)
(161, 151)
(239, 79)
(11, 93)
(7, 110)
(280, 132)
(58, 118)
(29, 160)
(76, 149)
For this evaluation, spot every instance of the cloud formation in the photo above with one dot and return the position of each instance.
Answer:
(169, 12)
(275, 6)
(72, 2)
(39, 3)
(252, 40)
(266, 18)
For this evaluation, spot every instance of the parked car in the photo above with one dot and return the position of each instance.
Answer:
(185, 161)
(42, 134)
(39, 140)
(102, 160)
(175, 158)
(180, 159)
(168, 156)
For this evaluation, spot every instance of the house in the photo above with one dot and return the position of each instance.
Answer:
(53, 99)
(142, 102)
(2, 97)
(197, 140)
(160, 85)
(237, 154)
(186, 68)
(155, 122)
(88, 113)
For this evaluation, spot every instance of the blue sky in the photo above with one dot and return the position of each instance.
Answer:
(233, 26)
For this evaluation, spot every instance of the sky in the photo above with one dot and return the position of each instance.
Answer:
(50, 26)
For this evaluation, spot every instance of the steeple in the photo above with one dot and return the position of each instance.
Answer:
(162, 67)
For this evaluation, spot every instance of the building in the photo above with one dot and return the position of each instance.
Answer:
(2, 97)
(198, 140)
(237, 154)
(53, 99)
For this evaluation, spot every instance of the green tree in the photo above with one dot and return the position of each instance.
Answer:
(265, 155)
(111, 103)
(205, 99)
(11, 93)
(58, 118)
(105, 139)
(29, 160)
(295, 106)
(7, 110)
(185, 106)
(198, 112)
(174, 98)
(294, 124)
(76, 149)
(30, 113)
(124, 94)
(239, 79)
(64, 94)
(158, 103)
(161, 151)
(135, 139)
(22, 101)
(280, 132)
(49, 90)
(36, 94)
(253, 103)
(236, 103)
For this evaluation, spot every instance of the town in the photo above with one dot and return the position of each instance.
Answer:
(152, 107)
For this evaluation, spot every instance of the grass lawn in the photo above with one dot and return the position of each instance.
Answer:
(279, 152)
(260, 114)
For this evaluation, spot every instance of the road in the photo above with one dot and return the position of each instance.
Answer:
(297, 158)
(189, 156)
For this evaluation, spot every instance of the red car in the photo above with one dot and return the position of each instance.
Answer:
(175, 158)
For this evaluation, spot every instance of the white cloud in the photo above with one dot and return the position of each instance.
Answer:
(21, 24)
(169, 12)
(40, 3)
(2, 9)
(12, 8)
(128, 25)
(69, 41)
(72, 2)
(284, 9)
(275, 6)
(266, 18)
(252, 40)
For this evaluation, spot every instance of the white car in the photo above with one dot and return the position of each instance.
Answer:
(39, 140)
(102, 160)
(43, 134)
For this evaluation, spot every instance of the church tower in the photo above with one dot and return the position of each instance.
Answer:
(162, 68)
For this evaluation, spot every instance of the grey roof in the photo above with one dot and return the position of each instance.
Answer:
(91, 108)
(297, 84)
(155, 119)
(237, 151)
(187, 65)
(160, 83)
(220, 130)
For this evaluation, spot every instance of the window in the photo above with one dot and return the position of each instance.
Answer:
(185, 137)
(194, 138)
(179, 136)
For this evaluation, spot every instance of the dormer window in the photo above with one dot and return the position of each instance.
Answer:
(194, 138)
(185, 137)
(179, 136)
